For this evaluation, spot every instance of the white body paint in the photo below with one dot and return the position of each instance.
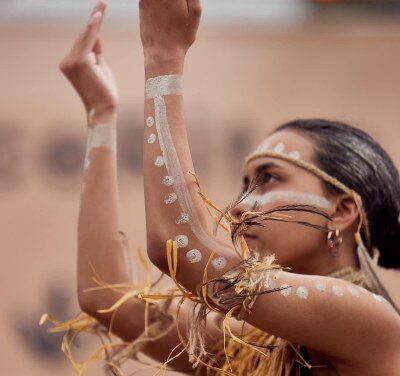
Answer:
(159, 161)
(183, 218)
(286, 290)
(168, 181)
(194, 256)
(338, 291)
(302, 292)
(353, 291)
(152, 139)
(320, 286)
(379, 298)
(156, 89)
(182, 240)
(219, 263)
(255, 200)
(171, 198)
(150, 121)
(100, 136)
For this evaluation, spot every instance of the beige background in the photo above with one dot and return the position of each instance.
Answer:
(240, 83)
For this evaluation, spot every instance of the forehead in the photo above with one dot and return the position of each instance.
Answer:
(287, 142)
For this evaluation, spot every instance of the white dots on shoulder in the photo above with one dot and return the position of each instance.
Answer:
(285, 290)
(338, 291)
(320, 286)
(302, 292)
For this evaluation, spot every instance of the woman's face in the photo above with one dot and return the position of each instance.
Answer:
(284, 183)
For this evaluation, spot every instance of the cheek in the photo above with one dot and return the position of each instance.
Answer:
(290, 241)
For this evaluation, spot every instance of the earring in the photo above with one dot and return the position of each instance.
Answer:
(334, 241)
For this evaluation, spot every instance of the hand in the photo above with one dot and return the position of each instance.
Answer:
(88, 72)
(168, 28)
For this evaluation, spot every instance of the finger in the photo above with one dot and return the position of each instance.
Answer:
(194, 7)
(87, 41)
(98, 50)
(100, 6)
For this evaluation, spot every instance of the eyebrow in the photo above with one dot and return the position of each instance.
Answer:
(259, 170)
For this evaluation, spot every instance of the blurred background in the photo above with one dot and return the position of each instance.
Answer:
(256, 64)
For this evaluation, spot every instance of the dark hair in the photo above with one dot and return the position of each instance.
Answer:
(358, 161)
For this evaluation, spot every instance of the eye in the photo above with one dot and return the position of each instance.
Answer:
(268, 178)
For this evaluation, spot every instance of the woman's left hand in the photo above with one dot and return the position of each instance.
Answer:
(168, 28)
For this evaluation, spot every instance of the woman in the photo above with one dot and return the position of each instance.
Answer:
(318, 194)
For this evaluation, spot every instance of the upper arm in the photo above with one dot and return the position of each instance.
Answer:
(329, 315)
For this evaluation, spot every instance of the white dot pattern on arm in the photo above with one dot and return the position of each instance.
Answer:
(286, 290)
(320, 286)
(379, 298)
(171, 198)
(159, 161)
(219, 263)
(168, 181)
(182, 240)
(194, 256)
(152, 138)
(150, 121)
(353, 291)
(302, 292)
(183, 218)
(338, 291)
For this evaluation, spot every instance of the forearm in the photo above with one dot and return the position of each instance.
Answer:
(185, 214)
(100, 244)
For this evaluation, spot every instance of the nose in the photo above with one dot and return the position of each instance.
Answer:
(239, 209)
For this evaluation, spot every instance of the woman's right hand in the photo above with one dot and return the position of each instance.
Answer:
(86, 69)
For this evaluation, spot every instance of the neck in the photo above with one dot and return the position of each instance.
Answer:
(323, 263)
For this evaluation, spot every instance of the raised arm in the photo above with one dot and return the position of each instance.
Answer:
(102, 247)
(308, 310)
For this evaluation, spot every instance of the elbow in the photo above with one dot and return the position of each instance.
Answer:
(156, 251)
(87, 304)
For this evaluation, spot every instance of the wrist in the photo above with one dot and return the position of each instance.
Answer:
(105, 116)
(163, 64)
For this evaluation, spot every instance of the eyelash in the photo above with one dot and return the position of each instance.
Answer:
(262, 179)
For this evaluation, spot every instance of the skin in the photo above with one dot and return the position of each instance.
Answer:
(317, 322)
(306, 251)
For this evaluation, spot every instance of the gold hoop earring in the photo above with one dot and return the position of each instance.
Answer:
(334, 241)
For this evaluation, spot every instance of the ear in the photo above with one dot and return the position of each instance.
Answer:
(346, 214)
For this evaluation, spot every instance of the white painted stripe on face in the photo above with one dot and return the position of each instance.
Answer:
(290, 197)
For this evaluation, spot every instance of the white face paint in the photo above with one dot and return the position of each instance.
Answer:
(100, 136)
(286, 290)
(182, 241)
(152, 138)
(338, 291)
(219, 263)
(255, 201)
(171, 198)
(194, 256)
(302, 292)
(320, 286)
(278, 148)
